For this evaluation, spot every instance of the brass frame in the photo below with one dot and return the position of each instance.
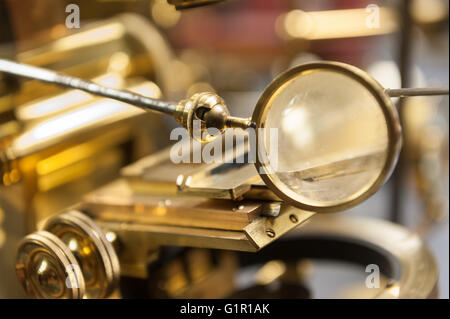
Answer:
(389, 111)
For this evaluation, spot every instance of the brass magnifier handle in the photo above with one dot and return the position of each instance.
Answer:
(208, 108)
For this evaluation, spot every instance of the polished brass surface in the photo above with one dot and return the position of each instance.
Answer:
(58, 145)
(70, 258)
(196, 109)
(158, 174)
(205, 116)
(253, 237)
(56, 161)
(228, 179)
(117, 202)
(141, 229)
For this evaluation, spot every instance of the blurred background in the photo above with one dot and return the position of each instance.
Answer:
(235, 48)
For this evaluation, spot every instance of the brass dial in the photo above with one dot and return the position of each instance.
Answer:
(46, 268)
(69, 258)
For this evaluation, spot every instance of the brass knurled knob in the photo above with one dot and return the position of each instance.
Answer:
(46, 268)
(69, 258)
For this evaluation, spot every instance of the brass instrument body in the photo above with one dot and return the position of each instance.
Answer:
(47, 163)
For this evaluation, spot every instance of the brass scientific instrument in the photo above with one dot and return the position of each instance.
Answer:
(236, 206)
(65, 142)
(323, 137)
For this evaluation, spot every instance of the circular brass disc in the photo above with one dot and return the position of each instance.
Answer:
(325, 96)
(46, 268)
(415, 271)
(113, 258)
(96, 256)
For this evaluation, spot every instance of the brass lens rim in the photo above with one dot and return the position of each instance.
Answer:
(389, 112)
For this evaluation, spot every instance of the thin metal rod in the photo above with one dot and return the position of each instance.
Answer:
(48, 76)
(416, 92)
(237, 122)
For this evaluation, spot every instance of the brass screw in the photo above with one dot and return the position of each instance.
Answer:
(293, 218)
(270, 233)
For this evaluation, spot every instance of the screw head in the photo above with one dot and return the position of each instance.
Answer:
(270, 232)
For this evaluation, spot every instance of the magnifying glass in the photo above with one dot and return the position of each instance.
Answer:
(330, 132)
(339, 136)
